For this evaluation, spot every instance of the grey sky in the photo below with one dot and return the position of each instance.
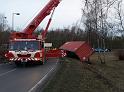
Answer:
(67, 12)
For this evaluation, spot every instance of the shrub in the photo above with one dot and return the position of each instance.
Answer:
(120, 54)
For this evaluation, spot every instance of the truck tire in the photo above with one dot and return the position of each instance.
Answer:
(18, 64)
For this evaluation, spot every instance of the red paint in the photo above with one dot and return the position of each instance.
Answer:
(37, 55)
(9, 55)
(81, 48)
(30, 28)
(55, 53)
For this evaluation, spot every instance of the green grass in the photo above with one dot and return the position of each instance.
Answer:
(75, 76)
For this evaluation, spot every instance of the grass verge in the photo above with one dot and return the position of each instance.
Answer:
(75, 76)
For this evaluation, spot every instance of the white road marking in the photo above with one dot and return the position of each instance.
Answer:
(42, 79)
(2, 74)
(5, 63)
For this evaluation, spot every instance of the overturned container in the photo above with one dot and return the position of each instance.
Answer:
(80, 49)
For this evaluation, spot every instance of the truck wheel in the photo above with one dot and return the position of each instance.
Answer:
(43, 60)
(18, 64)
(41, 63)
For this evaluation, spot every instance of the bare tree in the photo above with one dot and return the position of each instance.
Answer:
(95, 13)
(120, 14)
(3, 22)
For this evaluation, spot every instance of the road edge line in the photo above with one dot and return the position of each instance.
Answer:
(2, 74)
(45, 79)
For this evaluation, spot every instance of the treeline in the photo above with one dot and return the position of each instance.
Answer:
(4, 40)
(60, 36)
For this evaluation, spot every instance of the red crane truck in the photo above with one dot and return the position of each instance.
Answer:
(25, 46)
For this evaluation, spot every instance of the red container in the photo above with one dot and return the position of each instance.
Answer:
(55, 53)
(81, 48)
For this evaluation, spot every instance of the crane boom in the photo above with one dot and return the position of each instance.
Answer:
(25, 47)
(39, 18)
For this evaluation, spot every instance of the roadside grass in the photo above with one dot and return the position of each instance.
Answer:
(75, 76)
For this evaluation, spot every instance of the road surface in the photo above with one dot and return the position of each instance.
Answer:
(23, 79)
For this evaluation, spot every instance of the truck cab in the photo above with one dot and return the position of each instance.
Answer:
(26, 50)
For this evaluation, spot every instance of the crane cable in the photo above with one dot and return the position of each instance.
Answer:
(48, 24)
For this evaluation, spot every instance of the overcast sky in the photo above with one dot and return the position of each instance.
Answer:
(67, 13)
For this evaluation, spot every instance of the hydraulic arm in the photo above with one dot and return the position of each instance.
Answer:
(28, 31)
(39, 18)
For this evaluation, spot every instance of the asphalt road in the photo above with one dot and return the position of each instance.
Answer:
(23, 79)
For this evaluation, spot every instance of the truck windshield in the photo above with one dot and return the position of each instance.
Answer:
(24, 45)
